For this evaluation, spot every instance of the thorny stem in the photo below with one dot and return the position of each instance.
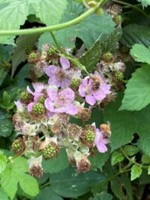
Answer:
(132, 161)
(133, 6)
(54, 27)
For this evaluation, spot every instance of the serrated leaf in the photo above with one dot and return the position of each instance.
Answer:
(134, 33)
(136, 171)
(6, 127)
(3, 74)
(56, 164)
(116, 187)
(140, 53)
(9, 182)
(92, 56)
(125, 123)
(130, 150)
(69, 183)
(29, 185)
(87, 30)
(99, 159)
(46, 10)
(145, 3)
(145, 159)
(15, 173)
(116, 157)
(3, 195)
(3, 161)
(48, 194)
(137, 93)
(6, 99)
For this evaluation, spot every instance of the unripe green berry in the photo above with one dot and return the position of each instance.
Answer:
(90, 136)
(38, 109)
(119, 75)
(41, 99)
(24, 97)
(107, 57)
(50, 151)
(33, 57)
(18, 146)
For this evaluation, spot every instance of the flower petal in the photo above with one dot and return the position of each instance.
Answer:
(90, 100)
(64, 63)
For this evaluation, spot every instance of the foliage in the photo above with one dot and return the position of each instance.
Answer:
(103, 49)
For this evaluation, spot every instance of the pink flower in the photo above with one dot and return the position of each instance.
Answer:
(94, 89)
(59, 76)
(38, 90)
(100, 142)
(61, 101)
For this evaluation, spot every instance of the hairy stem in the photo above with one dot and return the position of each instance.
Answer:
(54, 27)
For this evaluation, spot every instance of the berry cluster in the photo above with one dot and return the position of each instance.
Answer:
(44, 117)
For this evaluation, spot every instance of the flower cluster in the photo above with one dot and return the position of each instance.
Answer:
(43, 120)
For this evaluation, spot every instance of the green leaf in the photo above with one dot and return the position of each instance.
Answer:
(134, 33)
(99, 159)
(88, 30)
(116, 187)
(116, 157)
(91, 57)
(125, 123)
(3, 161)
(48, 194)
(145, 3)
(102, 196)
(21, 9)
(3, 74)
(145, 159)
(149, 170)
(9, 182)
(11, 175)
(6, 127)
(23, 43)
(121, 133)
(127, 186)
(3, 195)
(29, 184)
(137, 93)
(136, 171)
(70, 184)
(140, 53)
(18, 10)
(56, 164)
(130, 150)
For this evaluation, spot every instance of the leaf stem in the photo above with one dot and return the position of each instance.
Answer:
(55, 40)
(53, 27)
